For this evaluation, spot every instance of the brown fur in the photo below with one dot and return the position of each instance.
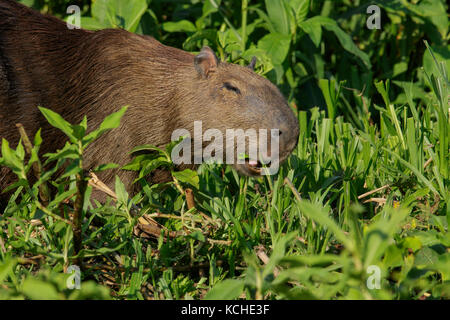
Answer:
(81, 73)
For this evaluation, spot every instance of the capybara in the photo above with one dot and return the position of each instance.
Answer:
(79, 73)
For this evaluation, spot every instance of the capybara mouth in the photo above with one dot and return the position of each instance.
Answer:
(255, 167)
(252, 168)
(271, 165)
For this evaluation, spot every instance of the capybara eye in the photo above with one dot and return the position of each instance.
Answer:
(230, 87)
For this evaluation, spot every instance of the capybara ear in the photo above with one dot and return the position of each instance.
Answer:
(206, 61)
(252, 64)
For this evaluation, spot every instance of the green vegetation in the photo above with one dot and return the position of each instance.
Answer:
(365, 190)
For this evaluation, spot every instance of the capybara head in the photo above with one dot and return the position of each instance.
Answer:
(233, 97)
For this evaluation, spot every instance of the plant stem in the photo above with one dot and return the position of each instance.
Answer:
(244, 24)
(37, 167)
(78, 210)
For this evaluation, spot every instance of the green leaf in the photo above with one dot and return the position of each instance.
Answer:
(112, 121)
(90, 23)
(69, 151)
(344, 39)
(412, 243)
(187, 176)
(443, 266)
(276, 46)
(435, 12)
(278, 15)
(314, 29)
(7, 267)
(138, 162)
(392, 257)
(383, 91)
(147, 147)
(179, 26)
(426, 256)
(278, 253)
(106, 166)
(301, 9)
(8, 154)
(61, 197)
(149, 166)
(38, 139)
(441, 53)
(58, 122)
(229, 289)
(11, 160)
(119, 13)
(122, 194)
(39, 290)
(378, 236)
(196, 235)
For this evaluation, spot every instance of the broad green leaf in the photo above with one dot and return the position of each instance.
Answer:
(138, 161)
(122, 194)
(314, 29)
(112, 121)
(90, 290)
(69, 151)
(378, 236)
(187, 176)
(58, 122)
(9, 156)
(443, 266)
(179, 26)
(149, 166)
(276, 46)
(229, 289)
(412, 243)
(106, 166)
(90, 23)
(39, 290)
(426, 256)
(435, 12)
(196, 235)
(119, 14)
(147, 147)
(38, 139)
(6, 267)
(301, 9)
(344, 39)
(278, 15)
(392, 257)
(442, 54)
